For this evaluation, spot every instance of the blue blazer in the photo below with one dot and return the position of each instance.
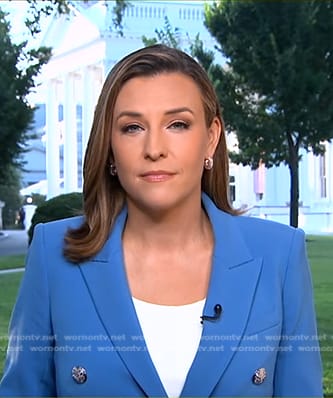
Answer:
(83, 316)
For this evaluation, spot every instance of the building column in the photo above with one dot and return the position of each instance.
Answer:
(52, 141)
(70, 135)
(106, 34)
(329, 185)
(259, 181)
(92, 77)
(329, 172)
(88, 105)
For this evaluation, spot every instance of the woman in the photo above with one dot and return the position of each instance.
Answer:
(162, 288)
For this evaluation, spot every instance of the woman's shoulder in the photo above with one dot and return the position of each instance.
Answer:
(268, 236)
(58, 228)
(260, 225)
(72, 222)
(247, 224)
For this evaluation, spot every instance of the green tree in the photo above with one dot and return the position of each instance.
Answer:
(10, 194)
(18, 68)
(167, 35)
(278, 82)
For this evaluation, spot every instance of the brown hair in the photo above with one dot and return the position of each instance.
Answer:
(103, 196)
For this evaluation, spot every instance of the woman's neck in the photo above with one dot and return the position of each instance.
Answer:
(176, 228)
(168, 257)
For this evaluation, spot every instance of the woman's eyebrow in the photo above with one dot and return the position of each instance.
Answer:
(168, 112)
(179, 110)
(129, 113)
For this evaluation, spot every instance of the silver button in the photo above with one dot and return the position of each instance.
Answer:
(259, 376)
(79, 374)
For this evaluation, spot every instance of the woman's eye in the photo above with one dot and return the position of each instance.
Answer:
(131, 128)
(179, 125)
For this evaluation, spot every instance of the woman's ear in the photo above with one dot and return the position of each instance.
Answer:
(214, 132)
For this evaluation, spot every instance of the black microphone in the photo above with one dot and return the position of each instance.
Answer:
(215, 317)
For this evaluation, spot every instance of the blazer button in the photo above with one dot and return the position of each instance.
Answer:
(79, 374)
(259, 376)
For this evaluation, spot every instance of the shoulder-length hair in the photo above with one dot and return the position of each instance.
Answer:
(103, 196)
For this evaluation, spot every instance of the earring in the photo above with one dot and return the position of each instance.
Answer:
(209, 163)
(113, 170)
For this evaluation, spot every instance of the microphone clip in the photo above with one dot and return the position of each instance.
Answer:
(213, 318)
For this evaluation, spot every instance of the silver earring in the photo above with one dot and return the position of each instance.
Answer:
(209, 163)
(113, 170)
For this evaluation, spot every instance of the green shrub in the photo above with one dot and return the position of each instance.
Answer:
(62, 206)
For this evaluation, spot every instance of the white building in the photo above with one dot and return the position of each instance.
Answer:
(85, 46)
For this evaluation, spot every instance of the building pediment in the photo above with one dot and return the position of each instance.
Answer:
(67, 33)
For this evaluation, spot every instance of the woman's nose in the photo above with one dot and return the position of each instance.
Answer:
(155, 145)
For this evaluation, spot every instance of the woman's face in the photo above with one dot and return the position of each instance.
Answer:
(160, 140)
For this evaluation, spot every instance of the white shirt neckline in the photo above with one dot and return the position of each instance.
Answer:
(172, 334)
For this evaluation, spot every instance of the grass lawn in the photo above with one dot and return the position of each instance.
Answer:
(320, 250)
(8, 291)
(7, 262)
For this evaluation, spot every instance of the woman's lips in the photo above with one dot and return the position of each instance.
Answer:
(157, 175)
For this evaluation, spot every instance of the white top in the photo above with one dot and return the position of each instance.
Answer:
(172, 335)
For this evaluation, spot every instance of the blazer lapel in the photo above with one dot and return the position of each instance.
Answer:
(106, 280)
(234, 277)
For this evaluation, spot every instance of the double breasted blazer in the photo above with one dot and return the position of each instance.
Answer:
(81, 318)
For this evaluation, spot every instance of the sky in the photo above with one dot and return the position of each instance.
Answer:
(17, 11)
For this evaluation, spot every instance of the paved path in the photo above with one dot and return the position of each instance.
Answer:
(11, 271)
(13, 242)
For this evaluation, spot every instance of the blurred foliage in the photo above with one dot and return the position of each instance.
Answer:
(167, 35)
(10, 195)
(62, 206)
(277, 87)
(38, 9)
(18, 68)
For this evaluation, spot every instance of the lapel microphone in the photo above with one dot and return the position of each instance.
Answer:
(215, 317)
